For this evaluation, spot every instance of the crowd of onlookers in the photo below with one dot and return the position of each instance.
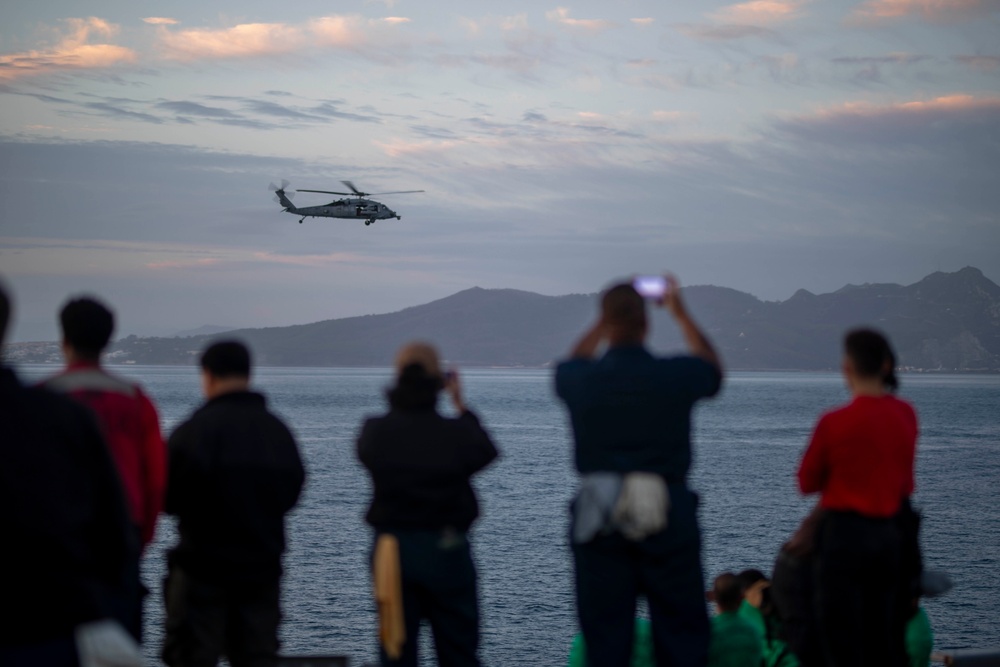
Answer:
(85, 474)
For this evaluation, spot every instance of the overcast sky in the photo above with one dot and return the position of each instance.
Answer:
(766, 146)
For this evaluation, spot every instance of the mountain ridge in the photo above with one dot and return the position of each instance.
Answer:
(944, 322)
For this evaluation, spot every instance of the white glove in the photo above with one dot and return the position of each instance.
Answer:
(105, 643)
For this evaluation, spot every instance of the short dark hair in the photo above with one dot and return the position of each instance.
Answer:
(226, 358)
(872, 356)
(87, 325)
(748, 578)
(727, 593)
(4, 312)
(623, 306)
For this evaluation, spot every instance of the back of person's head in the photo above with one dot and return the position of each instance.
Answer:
(5, 308)
(226, 359)
(418, 377)
(726, 592)
(748, 578)
(624, 309)
(872, 356)
(87, 325)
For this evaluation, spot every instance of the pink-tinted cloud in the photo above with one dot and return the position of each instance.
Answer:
(74, 50)
(246, 40)
(956, 117)
(252, 40)
(160, 20)
(561, 15)
(758, 12)
(936, 11)
(643, 22)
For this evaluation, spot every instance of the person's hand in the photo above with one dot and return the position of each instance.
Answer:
(672, 300)
(453, 385)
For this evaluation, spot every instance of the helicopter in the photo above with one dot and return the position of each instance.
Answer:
(354, 207)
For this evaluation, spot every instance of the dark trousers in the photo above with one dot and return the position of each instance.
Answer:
(207, 620)
(439, 585)
(612, 572)
(858, 574)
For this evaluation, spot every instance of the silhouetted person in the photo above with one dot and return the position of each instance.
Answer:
(421, 464)
(127, 417)
(235, 472)
(67, 538)
(860, 459)
(635, 529)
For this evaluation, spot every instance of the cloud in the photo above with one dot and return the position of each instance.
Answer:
(247, 40)
(643, 22)
(979, 62)
(394, 20)
(561, 15)
(953, 119)
(72, 51)
(195, 109)
(934, 11)
(160, 20)
(727, 32)
(888, 59)
(757, 12)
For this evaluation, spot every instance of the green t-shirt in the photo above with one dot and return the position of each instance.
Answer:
(775, 652)
(735, 642)
(919, 639)
(642, 647)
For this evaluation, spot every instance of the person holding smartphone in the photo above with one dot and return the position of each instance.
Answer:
(421, 465)
(635, 529)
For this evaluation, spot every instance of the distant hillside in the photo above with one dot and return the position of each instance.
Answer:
(945, 322)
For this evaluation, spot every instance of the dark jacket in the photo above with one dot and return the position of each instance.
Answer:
(421, 463)
(234, 473)
(67, 536)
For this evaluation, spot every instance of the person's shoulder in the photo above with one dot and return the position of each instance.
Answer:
(575, 364)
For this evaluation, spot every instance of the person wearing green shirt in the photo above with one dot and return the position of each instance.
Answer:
(919, 639)
(758, 610)
(642, 647)
(735, 641)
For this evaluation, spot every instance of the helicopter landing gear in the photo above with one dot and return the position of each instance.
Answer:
(369, 222)
(300, 221)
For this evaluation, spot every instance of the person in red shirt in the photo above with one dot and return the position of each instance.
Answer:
(127, 417)
(860, 460)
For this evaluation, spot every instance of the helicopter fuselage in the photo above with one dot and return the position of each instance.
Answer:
(354, 208)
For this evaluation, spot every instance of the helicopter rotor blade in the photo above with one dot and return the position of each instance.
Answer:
(274, 188)
(350, 186)
(397, 192)
(328, 192)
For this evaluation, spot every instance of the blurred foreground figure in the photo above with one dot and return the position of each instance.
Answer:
(68, 543)
(860, 459)
(127, 418)
(235, 472)
(421, 464)
(635, 528)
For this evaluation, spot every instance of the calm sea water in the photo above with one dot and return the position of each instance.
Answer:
(747, 445)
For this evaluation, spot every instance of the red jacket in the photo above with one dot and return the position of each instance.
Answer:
(131, 429)
(861, 456)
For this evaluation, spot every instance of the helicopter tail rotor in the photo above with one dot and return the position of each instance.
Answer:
(279, 192)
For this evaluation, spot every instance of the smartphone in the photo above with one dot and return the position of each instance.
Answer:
(650, 287)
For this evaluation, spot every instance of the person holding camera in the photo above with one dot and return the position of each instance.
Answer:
(635, 530)
(421, 465)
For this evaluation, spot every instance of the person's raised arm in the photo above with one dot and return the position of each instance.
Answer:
(696, 340)
(586, 347)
